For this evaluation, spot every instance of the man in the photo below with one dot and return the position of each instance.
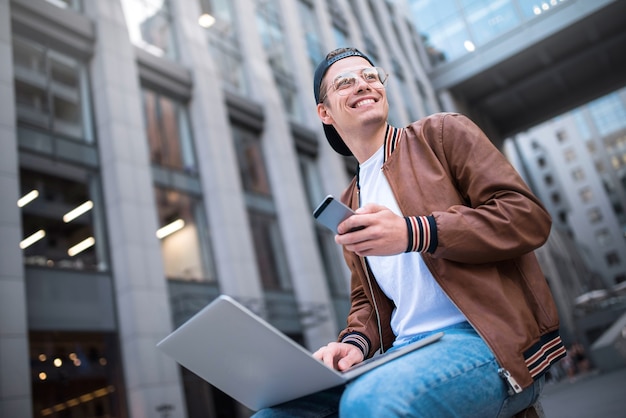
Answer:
(447, 233)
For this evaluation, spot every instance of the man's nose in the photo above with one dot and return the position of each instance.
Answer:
(361, 85)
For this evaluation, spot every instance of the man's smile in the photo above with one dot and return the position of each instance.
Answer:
(364, 102)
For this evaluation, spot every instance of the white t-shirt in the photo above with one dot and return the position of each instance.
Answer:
(421, 304)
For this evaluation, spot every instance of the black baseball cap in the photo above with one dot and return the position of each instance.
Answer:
(332, 136)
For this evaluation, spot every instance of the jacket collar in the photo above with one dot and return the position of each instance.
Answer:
(392, 138)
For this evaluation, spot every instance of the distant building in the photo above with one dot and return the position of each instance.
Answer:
(576, 164)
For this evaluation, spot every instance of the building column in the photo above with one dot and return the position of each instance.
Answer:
(15, 392)
(141, 294)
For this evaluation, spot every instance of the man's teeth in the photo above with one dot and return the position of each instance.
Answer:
(364, 102)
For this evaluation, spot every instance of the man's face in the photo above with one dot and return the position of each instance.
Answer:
(356, 107)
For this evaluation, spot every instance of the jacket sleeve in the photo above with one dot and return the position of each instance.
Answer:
(500, 218)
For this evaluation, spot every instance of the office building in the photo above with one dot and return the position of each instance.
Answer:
(156, 153)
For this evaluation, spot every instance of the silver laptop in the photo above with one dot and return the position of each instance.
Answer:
(248, 359)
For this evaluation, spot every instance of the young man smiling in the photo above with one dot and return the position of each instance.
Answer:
(446, 240)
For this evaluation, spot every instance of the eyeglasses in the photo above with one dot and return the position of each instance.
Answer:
(345, 83)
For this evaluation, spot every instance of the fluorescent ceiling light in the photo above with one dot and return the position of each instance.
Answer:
(170, 228)
(76, 212)
(27, 242)
(27, 198)
(81, 246)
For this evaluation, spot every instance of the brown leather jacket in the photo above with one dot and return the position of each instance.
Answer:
(487, 225)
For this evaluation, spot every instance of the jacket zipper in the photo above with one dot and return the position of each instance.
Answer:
(514, 387)
(369, 280)
(369, 283)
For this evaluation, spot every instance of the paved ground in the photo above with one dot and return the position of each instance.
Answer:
(593, 395)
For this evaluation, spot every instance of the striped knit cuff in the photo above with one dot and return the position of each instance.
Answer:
(359, 340)
(422, 232)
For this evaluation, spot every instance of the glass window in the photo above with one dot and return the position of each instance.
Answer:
(252, 164)
(67, 4)
(76, 374)
(608, 113)
(329, 250)
(169, 135)
(548, 179)
(51, 90)
(442, 28)
(594, 215)
(270, 29)
(271, 32)
(555, 197)
(604, 237)
(612, 259)
(586, 195)
(268, 244)
(569, 155)
(150, 26)
(269, 250)
(578, 174)
(184, 236)
(488, 19)
(218, 20)
(310, 27)
(60, 221)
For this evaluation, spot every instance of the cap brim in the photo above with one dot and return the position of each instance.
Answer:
(335, 140)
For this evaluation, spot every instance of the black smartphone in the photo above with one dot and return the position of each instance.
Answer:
(331, 212)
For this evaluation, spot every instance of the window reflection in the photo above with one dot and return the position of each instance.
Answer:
(169, 135)
(150, 26)
(67, 4)
(310, 27)
(50, 90)
(330, 251)
(59, 221)
(251, 164)
(184, 236)
(76, 374)
(270, 29)
(268, 244)
(223, 42)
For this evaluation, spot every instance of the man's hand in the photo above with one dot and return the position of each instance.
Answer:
(382, 232)
(339, 356)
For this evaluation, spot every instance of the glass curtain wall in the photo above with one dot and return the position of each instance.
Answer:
(150, 26)
(453, 28)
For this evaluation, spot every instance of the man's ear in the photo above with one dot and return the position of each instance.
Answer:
(324, 114)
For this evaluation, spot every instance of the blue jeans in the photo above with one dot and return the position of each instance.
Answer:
(456, 376)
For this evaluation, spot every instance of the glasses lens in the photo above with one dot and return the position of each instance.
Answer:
(374, 76)
(345, 81)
